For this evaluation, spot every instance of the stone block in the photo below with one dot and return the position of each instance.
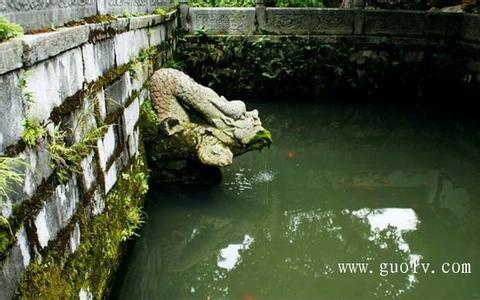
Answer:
(446, 25)
(22, 242)
(141, 40)
(471, 28)
(133, 142)
(129, 44)
(89, 171)
(309, 21)
(131, 115)
(159, 3)
(139, 75)
(98, 204)
(52, 81)
(124, 47)
(158, 20)
(144, 95)
(102, 109)
(10, 55)
(12, 267)
(110, 178)
(42, 14)
(11, 106)
(119, 25)
(115, 7)
(394, 22)
(157, 35)
(106, 146)
(123, 159)
(140, 22)
(98, 58)
(35, 171)
(118, 93)
(232, 20)
(57, 211)
(38, 47)
(75, 238)
(82, 120)
(38, 169)
(85, 294)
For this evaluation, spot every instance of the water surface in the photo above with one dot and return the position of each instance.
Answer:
(341, 183)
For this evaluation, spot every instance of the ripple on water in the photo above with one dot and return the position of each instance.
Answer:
(264, 176)
(243, 180)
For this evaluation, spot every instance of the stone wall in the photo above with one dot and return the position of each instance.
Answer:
(88, 83)
(417, 33)
(34, 14)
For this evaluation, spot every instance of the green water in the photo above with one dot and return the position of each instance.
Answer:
(341, 183)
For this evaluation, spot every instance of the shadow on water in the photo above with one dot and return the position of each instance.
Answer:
(341, 183)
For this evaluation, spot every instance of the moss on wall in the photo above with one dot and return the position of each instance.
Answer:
(294, 65)
(148, 122)
(102, 238)
(54, 272)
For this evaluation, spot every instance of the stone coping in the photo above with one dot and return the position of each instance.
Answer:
(36, 14)
(460, 27)
(33, 48)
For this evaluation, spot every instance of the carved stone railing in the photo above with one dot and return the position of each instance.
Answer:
(332, 21)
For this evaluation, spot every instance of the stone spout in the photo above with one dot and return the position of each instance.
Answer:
(196, 123)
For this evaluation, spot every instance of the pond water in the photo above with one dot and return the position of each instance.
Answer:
(395, 189)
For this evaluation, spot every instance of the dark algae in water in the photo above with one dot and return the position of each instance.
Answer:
(350, 202)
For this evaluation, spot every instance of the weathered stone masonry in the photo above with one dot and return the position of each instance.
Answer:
(34, 14)
(453, 31)
(80, 78)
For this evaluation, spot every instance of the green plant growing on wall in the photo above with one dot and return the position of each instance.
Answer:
(132, 68)
(85, 118)
(135, 218)
(6, 236)
(9, 30)
(22, 85)
(135, 215)
(148, 122)
(32, 133)
(9, 178)
(126, 14)
(160, 12)
(90, 267)
(286, 62)
(66, 159)
(9, 175)
(172, 63)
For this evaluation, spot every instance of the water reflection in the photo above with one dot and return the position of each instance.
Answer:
(360, 186)
(397, 222)
(229, 257)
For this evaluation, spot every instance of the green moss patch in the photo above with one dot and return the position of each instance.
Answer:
(148, 122)
(9, 30)
(298, 65)
(102, 240)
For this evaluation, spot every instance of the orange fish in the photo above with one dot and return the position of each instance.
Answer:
(248, 296)
(291, 154)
